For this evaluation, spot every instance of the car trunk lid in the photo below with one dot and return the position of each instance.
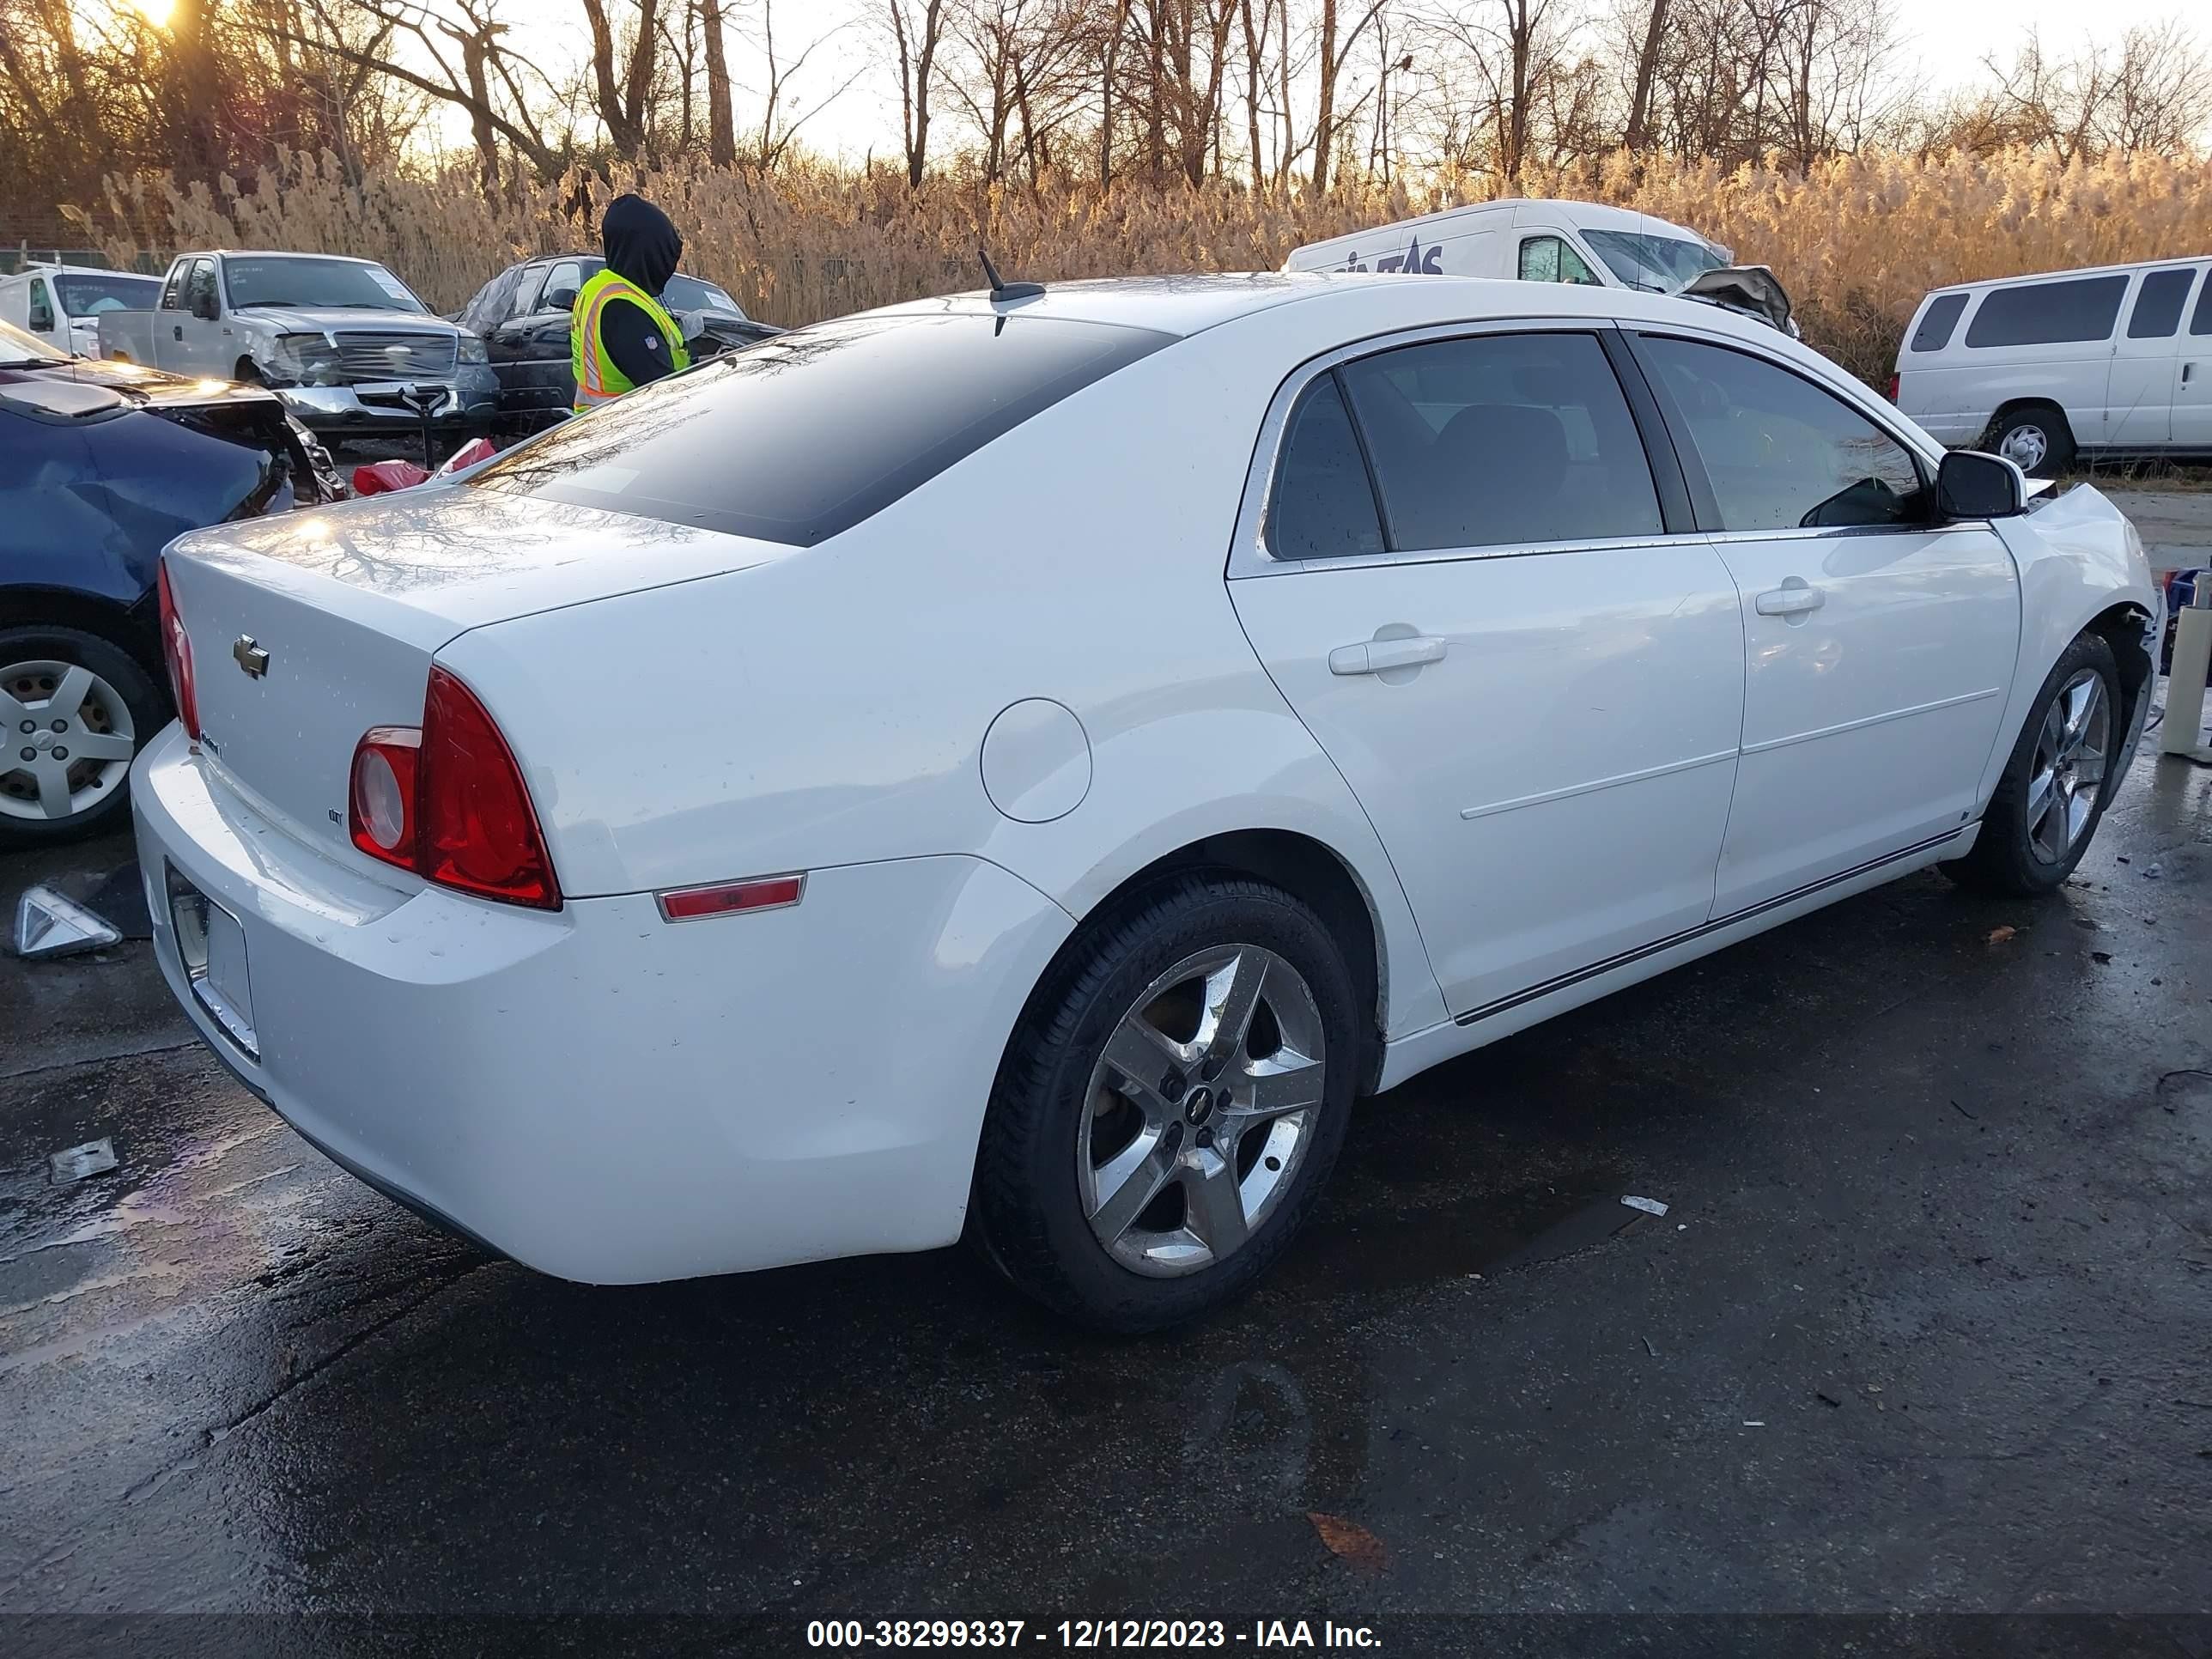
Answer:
(309, 628)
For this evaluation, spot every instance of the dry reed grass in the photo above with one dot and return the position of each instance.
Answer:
(1856, 241)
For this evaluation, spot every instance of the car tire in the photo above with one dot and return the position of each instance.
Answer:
(1134, 990)
(121, 699)
(2036, 437)
(2045, 811)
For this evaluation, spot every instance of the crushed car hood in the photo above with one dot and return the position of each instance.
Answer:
(1753, 290)
(304, 319)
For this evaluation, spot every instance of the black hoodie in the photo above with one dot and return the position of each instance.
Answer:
(641, 245)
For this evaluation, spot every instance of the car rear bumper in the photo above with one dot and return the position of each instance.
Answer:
(594, 1092)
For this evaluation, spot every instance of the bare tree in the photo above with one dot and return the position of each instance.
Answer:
(1335, 50)
(1513, 50)
(722, 121)
(1637, 135)
(473, 72)
(917, 31)
(622, 90)
(781, 114)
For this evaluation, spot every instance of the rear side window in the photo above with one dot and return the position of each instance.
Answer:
(2048, 314)
(1779, 452)
(807, 434)
(2159, 302)
(1323, 505)
(1502, 439)
(1933, 331)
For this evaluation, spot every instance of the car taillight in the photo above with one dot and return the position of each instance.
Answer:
(381, 814)
(1894, 379)
(447, 801)
(177, 652)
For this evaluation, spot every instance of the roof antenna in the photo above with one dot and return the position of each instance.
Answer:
(1002, 291)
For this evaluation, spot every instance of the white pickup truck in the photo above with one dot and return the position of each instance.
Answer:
(347, 345)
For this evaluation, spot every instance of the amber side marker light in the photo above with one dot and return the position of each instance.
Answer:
(730, 899)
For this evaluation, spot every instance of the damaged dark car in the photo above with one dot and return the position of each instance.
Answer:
(101, 465)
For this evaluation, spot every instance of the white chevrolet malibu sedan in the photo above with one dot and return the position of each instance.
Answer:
(1024, 766)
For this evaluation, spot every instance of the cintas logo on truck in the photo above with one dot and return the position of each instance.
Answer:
(1414, 261)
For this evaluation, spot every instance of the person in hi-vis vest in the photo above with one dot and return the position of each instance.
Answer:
(620, 336)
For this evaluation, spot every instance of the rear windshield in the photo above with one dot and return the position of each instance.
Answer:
(807, 434)
(2048, 314)
(1937, 323)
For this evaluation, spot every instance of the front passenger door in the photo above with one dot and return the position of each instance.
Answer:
(1880, 645)
(1529, 671)
(197, 338)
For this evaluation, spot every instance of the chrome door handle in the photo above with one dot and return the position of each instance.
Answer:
(1793, 598)
(1373, 656)
(2187, 369)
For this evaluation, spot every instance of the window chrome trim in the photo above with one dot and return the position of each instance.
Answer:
(1248, 554)
(1842, 387)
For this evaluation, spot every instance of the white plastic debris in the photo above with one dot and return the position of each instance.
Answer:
(1649, 1205)
(49, 925)
(94, 1157)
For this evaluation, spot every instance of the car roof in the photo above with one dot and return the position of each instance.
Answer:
(1184, 306)
(1168, 304)
(43, 269)
(1988, 282)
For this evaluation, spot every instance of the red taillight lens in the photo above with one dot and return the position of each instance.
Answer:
(177, 652)
(448, 802)
(478, 831)
(1894, 380)
(381, 811)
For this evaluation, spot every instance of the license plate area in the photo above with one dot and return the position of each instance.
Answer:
(212, 946)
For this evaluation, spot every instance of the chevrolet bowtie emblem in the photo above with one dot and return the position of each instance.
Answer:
(250, 657)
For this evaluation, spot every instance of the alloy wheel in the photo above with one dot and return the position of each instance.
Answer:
(66, 739)
(2069, 774)
(1199, 1110)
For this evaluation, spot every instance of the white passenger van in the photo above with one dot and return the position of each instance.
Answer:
(1536, 242)
(2114, 360)
(62, 305)
(1585, 243)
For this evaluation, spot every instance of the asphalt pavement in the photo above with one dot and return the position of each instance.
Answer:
(1923, 1336)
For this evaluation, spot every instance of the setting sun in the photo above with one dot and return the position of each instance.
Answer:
(156, 12)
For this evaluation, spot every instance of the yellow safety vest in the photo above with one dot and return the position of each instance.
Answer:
(598, 380)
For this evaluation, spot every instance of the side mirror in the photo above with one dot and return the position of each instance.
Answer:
(205, 307)
(1971, 485)
(42, 319)
(559, 299)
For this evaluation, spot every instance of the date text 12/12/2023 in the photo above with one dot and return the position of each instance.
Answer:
(1079, 1635)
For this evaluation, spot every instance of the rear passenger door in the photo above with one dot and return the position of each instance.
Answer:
(2146, 363)
(1464, 571)
(1879, 645)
